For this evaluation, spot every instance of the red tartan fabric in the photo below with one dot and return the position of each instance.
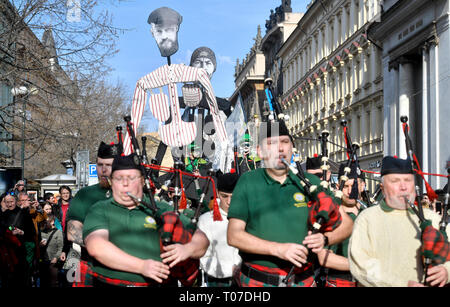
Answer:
(173, 231)
(86, 276)
(119, 282)
(278, 271)
(339, 283)
(245, 281)
(326, 208)
(434, 244)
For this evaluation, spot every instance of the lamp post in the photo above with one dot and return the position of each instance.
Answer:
(24, 92)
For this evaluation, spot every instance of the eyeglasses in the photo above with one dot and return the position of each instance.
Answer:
(128, 179)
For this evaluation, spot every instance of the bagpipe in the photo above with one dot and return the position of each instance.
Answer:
(323, 212)
(169, 223)
(435, 247)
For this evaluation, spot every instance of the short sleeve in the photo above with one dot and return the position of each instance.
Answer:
(239, 201)
(78, 208)
(95, 219)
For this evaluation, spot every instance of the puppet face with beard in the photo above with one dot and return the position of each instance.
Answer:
(104, 167)
(167, 39)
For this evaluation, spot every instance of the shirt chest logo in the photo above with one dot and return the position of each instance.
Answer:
(150, 222)
(300, 200)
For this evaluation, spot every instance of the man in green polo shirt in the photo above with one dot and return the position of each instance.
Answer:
(123, 238)
(268, 218)
(81, 203)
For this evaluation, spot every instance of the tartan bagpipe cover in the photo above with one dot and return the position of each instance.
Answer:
(434, 244)
(172, 230)
(325, 207)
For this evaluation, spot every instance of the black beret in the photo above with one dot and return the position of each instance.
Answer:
(126, 162)
(106, 151)
(270, 129)
(314, 163)
(227, 182)
(165, 16)
(393, 165)
(353, 171)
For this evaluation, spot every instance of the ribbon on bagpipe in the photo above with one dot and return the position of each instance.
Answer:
(320, 202)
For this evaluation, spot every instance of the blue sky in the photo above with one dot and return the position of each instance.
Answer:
(226, 26)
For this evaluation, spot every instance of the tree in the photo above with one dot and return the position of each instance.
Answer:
(68, 107)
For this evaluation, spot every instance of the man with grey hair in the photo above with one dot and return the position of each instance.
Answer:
(385, 245)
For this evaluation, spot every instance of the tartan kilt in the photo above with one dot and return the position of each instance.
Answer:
(333, 282)
(245, 281)
(119, 282)
(86, 275)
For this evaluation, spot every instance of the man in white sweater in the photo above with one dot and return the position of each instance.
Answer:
(220, 259)
(384, 248)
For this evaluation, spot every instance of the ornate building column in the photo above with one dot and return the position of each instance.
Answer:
(405, 103)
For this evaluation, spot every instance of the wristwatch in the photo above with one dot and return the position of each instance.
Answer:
(325, 238)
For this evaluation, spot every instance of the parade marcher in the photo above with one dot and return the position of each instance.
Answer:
(335, 258)
(384, 248)
(194, 161)
(268, 218)
(246, 160)
(221, 259)
(132, 258)
(81, 203)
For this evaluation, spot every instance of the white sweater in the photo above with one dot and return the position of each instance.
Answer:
(384, 248)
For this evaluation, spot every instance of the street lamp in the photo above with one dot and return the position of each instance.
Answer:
(25, 92)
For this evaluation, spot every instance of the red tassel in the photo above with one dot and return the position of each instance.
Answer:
(232, 171)
(216, 212)
(183, 201)
(430, 192)
(316, 155)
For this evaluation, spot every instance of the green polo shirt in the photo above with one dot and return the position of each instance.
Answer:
(132, 230)
(272, 211)
(84, 199)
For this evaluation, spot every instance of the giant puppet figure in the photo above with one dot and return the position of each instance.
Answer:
(174, 132)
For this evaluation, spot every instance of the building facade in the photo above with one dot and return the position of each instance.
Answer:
(416, 68)
(262, 62)
(332, 72)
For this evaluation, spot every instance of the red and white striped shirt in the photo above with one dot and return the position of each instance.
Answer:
(177, 132)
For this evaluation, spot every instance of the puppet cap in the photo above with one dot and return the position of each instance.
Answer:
(227, 182)
(393, 165)
(165, 16)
